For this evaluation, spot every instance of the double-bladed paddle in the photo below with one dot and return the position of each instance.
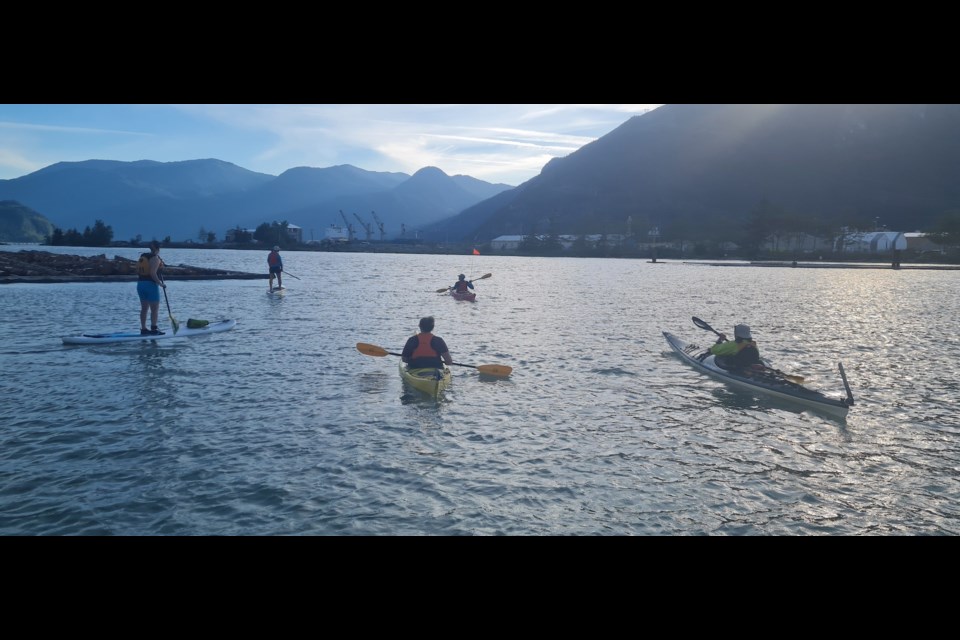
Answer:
(703, 325)
(498, 370)
(483, 277)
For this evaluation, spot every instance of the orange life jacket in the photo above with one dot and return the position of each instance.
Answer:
(143, 266)
(424, 350)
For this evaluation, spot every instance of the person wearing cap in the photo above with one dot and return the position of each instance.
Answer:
(149, 281)
(425, 350)
(742, 353)
(462, 284)
(275, 262)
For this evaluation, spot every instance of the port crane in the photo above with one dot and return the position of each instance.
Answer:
(379, 224)
(350, 233)
(367, 227)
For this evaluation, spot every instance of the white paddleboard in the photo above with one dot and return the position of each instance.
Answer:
(135, 336)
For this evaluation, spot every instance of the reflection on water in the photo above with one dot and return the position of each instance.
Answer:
(281, 426)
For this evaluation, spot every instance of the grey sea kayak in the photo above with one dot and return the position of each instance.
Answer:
(765, 381)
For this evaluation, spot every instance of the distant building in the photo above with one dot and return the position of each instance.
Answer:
(872, 242)
(917, 241)
(794, 242)
(506, 243)
(512, 243)
(295, 233)
(232, 234)
(337, 233)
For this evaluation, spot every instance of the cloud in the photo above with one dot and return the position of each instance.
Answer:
(469, 139)
(15, 164)
(508, 143)
(23, 126)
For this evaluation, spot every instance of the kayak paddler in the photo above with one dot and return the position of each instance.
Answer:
(462, 284)
(741, 353)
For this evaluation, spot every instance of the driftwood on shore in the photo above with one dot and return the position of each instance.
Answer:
(43, 266)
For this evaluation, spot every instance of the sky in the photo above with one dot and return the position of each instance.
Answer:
(498, 143)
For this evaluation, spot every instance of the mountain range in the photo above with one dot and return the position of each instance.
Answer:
(177, 199)
(694, 171)
(703, 171)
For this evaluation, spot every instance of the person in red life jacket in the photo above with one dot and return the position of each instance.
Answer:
(462, 284)
(275, 262)
(425, 350)
(741, 354)
(149, 281)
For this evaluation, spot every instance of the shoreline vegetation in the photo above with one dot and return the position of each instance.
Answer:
(38, 266)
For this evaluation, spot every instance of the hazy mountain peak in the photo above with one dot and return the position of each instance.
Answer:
(430, 171)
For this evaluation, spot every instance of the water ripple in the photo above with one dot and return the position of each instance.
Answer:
(281, 427)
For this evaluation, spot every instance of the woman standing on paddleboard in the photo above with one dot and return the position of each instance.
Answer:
(148, 288)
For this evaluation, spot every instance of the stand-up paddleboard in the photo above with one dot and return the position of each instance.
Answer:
(277, 292)
(135, 336)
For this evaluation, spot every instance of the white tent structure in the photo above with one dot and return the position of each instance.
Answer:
(871, 242)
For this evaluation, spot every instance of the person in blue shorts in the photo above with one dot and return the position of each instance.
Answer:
(275, 262)
(149, 282)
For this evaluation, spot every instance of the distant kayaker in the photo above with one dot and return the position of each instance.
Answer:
(275, 262)
(149, 282)
(425, 350)
(742, 353)
(462, 284)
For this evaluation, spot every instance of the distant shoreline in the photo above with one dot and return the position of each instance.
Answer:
(36, 266)
(39, 266)
(831, 265)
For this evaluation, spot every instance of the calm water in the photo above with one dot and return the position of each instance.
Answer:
(281, 427)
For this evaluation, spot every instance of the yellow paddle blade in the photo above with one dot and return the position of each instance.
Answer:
(499, 370)
(371, 349)
(444, 290)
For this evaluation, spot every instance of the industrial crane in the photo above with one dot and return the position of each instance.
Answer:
(367, 227)
(379, 224)
(350, 234)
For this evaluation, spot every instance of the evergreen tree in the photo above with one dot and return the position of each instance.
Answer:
(947, 230)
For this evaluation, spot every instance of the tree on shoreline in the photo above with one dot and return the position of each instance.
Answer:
(101, 235)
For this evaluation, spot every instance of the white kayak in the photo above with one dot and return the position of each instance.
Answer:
(136, 336)
(767, 381)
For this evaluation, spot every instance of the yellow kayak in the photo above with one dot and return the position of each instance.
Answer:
(430, 381)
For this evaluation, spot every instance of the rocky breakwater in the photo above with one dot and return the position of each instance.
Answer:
(43, 266)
